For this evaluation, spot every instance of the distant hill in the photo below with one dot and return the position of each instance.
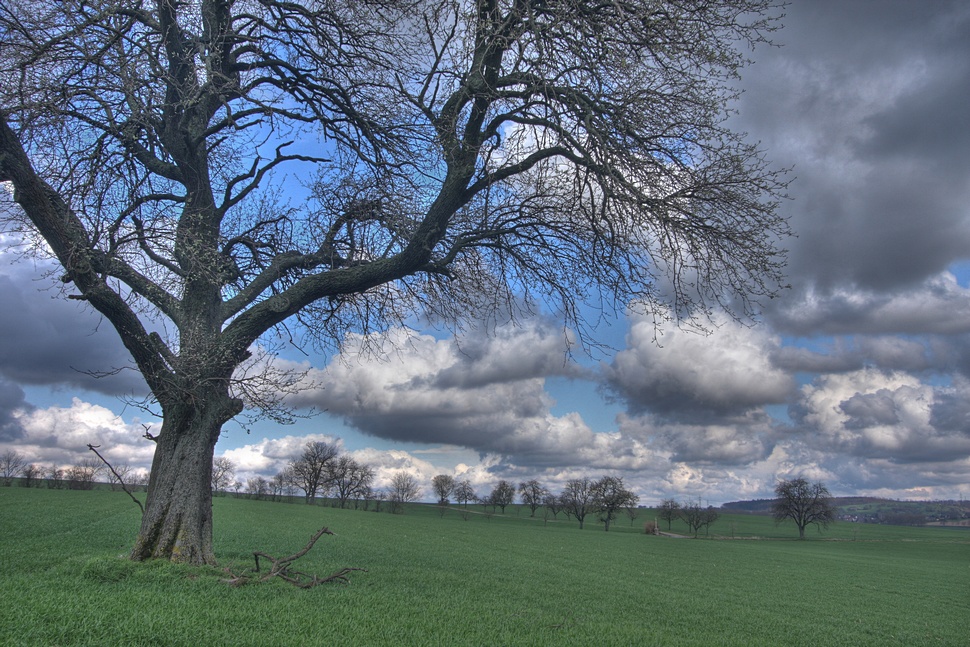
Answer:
(866, 509)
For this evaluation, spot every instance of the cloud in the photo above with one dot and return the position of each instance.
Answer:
(693, 377)
(938, 305)
(487, 394)
(872, 414)
(60, 435)
(51, 341)
(878, 136)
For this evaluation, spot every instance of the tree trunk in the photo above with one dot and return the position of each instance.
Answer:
(801, 532)
(177, 523)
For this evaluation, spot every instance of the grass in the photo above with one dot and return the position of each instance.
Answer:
(507, 580)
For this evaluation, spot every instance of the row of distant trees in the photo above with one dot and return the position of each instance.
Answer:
(82, 475)
(796, 500)
(321, 470)
(604, 498)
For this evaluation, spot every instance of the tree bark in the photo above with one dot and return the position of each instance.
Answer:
(177, 524)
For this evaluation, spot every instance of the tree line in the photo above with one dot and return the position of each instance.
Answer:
(321, 471)
(82, 475)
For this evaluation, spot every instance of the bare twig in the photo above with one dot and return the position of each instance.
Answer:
(124, 487)
(281, 568)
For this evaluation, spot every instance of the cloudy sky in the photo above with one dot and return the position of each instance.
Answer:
(859, 376)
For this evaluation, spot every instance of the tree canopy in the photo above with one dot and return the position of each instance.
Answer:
(209, 171)
(804, 503)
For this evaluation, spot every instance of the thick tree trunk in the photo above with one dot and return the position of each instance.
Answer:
(177, 524)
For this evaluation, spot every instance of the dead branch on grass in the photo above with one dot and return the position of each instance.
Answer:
(281, 568)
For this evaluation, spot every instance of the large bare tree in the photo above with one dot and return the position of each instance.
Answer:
(461, 158)
(804, 503)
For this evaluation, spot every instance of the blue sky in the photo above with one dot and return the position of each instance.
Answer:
(859, 375)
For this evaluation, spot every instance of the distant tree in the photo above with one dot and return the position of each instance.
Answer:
(258, 487)
(696, 516)
(11, 463)
(223, 473)
(278, 484)
(669, 510)
(532, 494)
(579, 498)
(553, 503)
(443, 485)
(119, 476)
(349, 479)
(804, 503)
(503, 494)
(610, 496)
(30, 475)
(83, 474)
(464, 492)
(309, 469)
(632, 512)
(55, 477)
(404, 489)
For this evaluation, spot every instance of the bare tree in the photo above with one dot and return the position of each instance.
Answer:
(610, 497)
(532, 494)
(553, 502)
(55, 477)
(223, 473)
(404, 489)
(83, 474)
(349, 479)
(464, 492)
(579, 498)
(258, 487)
(696, 516)
(30, 475)
(804, 503)
(11, 464)
(669, 510)
(309, 470)
(503, 494)
(477, 158)
(443, 485)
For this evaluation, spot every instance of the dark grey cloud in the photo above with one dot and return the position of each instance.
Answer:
(868, 101)
(52, 341)
(11, 400)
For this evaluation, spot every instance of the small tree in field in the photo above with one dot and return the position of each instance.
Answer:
(503, 494)
(532, 494)
(404, 489)
(611, 496)
(579, 498)
(669, 510)
(464, 492)
(696, 516)
(11, 463)
(310, 470)
(443, 485)
(223, 474)
(804, 503)
(464, 160)
(30, 475)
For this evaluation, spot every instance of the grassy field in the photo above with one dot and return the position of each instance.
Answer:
(509, 580)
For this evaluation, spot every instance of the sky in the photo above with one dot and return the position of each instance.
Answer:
(858, 375)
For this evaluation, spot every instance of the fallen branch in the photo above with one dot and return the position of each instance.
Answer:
(124, 487)
(281, 568)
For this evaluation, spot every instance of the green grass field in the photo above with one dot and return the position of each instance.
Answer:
(508, 580)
